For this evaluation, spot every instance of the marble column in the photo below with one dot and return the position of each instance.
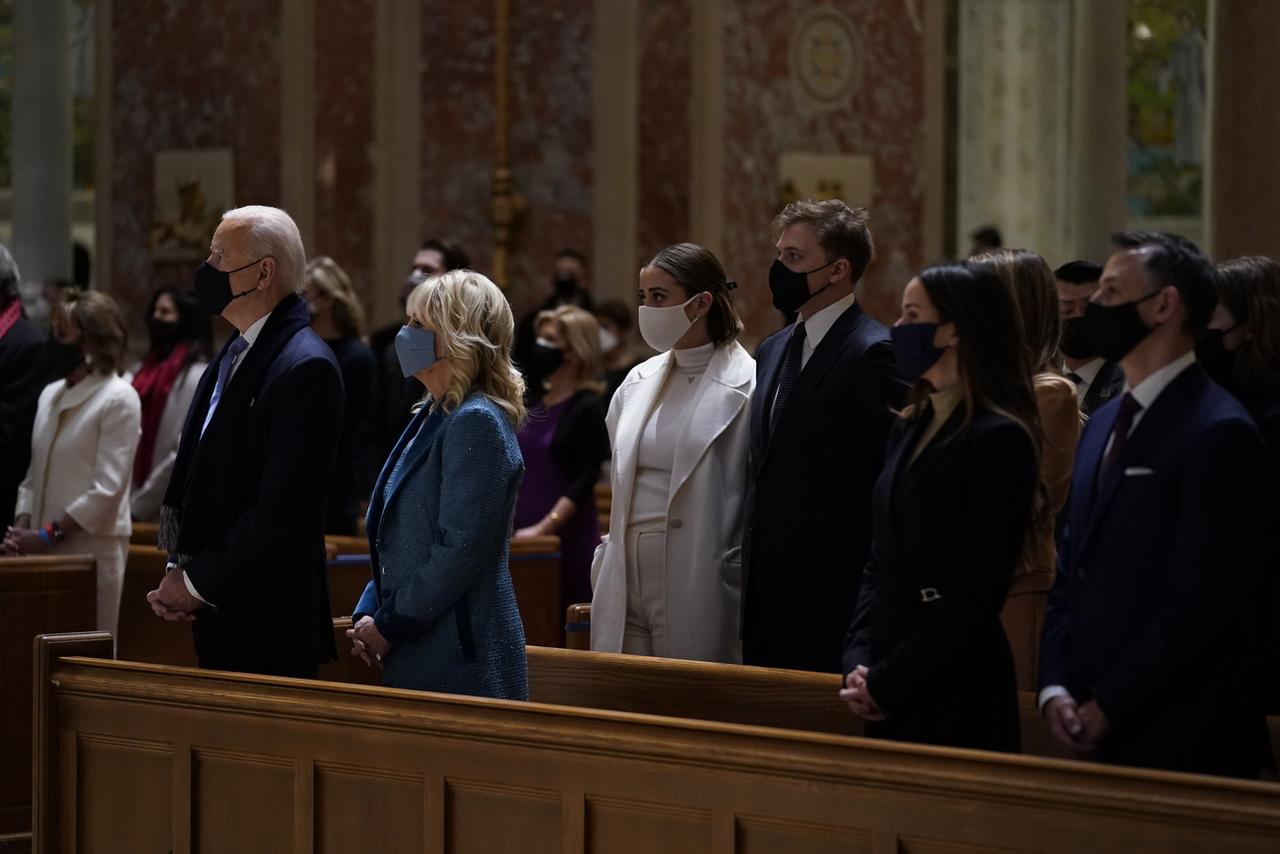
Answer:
(1014, 92)
(1099, 125)
(41, 147)
(1244, 174)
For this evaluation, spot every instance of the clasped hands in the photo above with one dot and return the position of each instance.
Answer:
(172, 600)
(20, 539)
(1078, 731)
(857, 695)
(367, 642)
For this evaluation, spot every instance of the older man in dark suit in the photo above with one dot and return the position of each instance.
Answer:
(243, 519)
(1148, 656)
(820, 419)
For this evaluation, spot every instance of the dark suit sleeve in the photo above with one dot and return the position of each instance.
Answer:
(880, 393)
(293, 488)
(996, 510)
(1056, 639)
(583, 441)
(472, 527)
(23, 381)
(1212, 573)
(857, 641)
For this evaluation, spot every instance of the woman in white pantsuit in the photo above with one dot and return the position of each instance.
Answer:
(75, 498)
(667, 579)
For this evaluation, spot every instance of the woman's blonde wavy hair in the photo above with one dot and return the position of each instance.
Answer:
(472, 321)
(325, 275)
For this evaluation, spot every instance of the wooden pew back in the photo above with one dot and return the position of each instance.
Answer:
(141, 635)
(227, 762)
(37, 595)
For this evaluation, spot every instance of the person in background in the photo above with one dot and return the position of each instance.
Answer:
(1149, 656)
(1241, 352)
(397, 395)
(825, 398)
(926, 658)
(570, 285)
(985, 239)
(615, 319)
(1097, 380)
(75, 497)
(440, 613)
(243, 518)
(564, 443)
(667, 579)
(23, 373)
(336, 316)
(181, 345)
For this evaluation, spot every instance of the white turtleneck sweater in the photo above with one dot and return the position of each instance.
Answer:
(667, 419)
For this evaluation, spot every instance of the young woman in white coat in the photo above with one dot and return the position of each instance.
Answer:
(667, 579)
(75, 498)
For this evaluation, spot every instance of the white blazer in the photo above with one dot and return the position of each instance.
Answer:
(148, 496)
(82, 451)
(704, 511)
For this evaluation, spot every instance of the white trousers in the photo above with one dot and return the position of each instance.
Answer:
(645, 632)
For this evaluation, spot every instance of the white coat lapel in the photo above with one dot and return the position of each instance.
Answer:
(72, 397)
(720, 397)
(631, 423)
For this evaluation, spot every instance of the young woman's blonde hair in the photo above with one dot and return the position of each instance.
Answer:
(472, 321)
(325, 275)
(580, 332)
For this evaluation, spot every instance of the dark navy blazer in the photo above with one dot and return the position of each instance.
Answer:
(809, 509)
(250, 498)
(1150, 611)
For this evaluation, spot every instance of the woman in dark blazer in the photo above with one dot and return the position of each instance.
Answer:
(926, 658)
(1241, 352)
(440, 613)
(564, 444)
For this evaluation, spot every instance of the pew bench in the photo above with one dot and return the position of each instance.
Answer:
(229, 762)
(55, 593)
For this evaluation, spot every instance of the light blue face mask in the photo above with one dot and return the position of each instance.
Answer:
(416, 349)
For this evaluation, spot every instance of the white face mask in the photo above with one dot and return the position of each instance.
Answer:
(608, 341)
(661, 328)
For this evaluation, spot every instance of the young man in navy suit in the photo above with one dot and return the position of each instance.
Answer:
(1148, 655)
(820, 417)
(243, 518)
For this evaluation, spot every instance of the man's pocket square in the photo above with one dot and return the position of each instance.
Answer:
(1138, 471)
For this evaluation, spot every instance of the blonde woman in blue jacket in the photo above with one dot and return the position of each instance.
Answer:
(440, 613)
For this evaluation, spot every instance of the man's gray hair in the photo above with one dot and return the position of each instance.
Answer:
(9, 276)
(273, 232)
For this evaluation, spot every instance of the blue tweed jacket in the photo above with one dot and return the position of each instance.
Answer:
(439, 527)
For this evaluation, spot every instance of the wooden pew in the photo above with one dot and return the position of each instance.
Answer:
(141, 635)
(37, 594)
(535, 575)
(228, 762)
(145, 534)
(604, 504)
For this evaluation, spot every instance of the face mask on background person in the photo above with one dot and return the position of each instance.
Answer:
(608, 341)
(913, 350)
(163, 333)
(661, 328)
(415, 349)
(1114, 330)
(790, 288)
(544, 360)
(1075, 343)
(213, 286)
(565, 285)
(1218, 361)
